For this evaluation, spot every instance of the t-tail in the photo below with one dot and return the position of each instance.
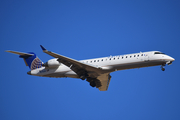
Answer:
(30, 59)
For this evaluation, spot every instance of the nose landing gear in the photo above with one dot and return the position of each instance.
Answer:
(162, 67)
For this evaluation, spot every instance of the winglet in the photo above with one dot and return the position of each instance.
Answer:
(44, 49)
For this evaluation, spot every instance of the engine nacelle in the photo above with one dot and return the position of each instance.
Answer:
(53, 63)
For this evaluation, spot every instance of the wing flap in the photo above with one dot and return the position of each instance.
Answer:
(104, 80)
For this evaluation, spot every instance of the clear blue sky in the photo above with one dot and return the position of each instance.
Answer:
(89, 29)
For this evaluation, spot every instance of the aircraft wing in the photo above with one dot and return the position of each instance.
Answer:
(78, 67)
(95, 73)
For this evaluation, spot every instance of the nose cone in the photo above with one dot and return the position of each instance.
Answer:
(169, 58)
(172, 59)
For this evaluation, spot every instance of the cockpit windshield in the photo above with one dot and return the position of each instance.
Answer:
(158, 53)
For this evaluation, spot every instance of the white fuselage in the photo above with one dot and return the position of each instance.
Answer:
(108, 64)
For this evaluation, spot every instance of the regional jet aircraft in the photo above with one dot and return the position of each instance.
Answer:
(95, 71)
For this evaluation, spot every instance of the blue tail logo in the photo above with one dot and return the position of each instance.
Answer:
(32, 61)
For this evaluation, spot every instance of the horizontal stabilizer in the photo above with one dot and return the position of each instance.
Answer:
(30, 59)
(19, 53)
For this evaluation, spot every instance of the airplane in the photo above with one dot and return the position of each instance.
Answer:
(96, 71)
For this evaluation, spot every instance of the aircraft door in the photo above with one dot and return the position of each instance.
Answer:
(146, 57)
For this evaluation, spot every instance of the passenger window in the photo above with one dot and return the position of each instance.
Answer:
(138, 55)
(94, 60)
(114, 58)
(130, 56)
(98, 61)
(102, 60)
(122, 57)
(134, 55)
(126, 56)
(141, 54)
(109, 58)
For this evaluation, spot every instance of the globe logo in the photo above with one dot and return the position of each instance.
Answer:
(36, 64)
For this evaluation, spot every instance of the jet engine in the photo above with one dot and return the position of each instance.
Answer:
(53, 63)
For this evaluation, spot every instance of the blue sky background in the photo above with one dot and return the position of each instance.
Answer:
(89, 29)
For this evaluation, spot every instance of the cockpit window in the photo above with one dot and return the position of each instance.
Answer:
(158, 53)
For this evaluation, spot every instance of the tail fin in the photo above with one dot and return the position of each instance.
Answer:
(30, 59)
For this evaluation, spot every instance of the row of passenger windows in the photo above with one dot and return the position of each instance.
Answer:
(115, 58)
